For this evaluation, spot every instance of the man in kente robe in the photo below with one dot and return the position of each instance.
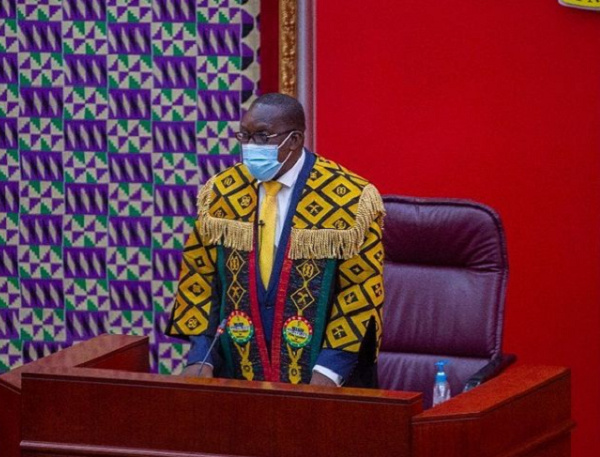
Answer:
(287, 252)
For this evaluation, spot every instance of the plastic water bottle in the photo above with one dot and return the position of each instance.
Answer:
(441, 388)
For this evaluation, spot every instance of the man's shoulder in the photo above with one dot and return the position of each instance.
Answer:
(231, 180)
(336, 210)
(226, 206)
(343, 186)
(235, 175)
(229, 194)
(335, 170)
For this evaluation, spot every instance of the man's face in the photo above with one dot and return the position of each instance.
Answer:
(267, 119)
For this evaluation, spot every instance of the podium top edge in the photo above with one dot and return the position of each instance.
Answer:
(102, 376)
(80, 354)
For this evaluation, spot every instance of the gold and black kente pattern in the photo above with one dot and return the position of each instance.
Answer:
(360, 296)
(303, 291)
(245, 356)
(237, 294)
(195, 298)
(333, 199)
(330, 198)
(235, 290)
(331, 219)
(234, 195)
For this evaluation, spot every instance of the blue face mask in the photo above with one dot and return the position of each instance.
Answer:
(261, 159)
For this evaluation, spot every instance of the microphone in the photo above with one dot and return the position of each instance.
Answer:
(220, 331)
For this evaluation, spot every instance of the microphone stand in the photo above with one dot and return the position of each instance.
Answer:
(220, 331)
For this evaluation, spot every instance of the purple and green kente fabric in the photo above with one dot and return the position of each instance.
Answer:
(112, 113)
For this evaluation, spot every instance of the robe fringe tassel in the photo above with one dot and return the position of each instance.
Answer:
(214, 230)
(339, 244)
(305, 243)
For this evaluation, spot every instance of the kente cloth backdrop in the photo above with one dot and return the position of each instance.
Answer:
(112, 113)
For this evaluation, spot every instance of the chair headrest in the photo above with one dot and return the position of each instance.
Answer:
(443, 232)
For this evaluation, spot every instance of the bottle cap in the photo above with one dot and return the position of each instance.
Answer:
(440, 376)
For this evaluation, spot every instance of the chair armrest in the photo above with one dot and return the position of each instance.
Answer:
(489, 371)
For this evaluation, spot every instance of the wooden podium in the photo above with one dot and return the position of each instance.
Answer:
(98, 400)
(118, 352)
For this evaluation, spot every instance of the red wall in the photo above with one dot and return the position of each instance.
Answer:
(497, 102)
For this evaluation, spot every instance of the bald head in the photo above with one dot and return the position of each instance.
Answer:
(289, 109)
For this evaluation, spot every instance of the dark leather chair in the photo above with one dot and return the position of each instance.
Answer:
(445, 281)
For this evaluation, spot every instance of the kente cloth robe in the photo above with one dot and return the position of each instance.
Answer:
(325, 294)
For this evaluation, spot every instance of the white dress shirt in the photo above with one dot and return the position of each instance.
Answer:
(284, 198)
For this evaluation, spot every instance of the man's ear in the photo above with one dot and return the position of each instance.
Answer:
(297, 140)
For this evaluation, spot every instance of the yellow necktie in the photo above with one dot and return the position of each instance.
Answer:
(268, 217)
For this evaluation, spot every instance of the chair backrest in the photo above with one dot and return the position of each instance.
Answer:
(445, 276)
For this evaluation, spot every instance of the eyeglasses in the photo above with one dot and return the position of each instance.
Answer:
(258, 137)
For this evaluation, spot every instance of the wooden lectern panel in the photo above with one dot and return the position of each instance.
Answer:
(526, 411)
(119, 352)
(113, 413)
(79, 412)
